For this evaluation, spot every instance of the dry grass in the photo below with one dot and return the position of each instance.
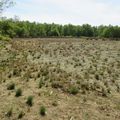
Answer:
(74, 79)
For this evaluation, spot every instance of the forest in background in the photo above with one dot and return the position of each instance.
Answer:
(15, 28)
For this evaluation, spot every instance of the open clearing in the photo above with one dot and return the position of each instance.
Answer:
(73, 79)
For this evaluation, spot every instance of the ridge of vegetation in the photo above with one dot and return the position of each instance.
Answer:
(25, 29)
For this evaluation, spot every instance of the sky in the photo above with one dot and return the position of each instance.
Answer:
(77, 12)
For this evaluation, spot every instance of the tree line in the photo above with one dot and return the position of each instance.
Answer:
(25, 29)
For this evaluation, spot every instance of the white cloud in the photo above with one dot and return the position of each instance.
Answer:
(93, 12)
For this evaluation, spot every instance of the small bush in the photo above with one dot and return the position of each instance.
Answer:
(55, 103)
(30, 101)
(42, 111)
(104, 92)
(97, 77)
(10, 75)
(56, 84)
(73, 90)
(11, 86)
(41, 83)
(9, 112)
(38, 75)
(16, 72)
(18, 92)
(4, 38)
(20, 115)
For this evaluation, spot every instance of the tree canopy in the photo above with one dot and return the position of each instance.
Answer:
(20, 29)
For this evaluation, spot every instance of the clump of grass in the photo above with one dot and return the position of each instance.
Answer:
(18, 92)
(16, 72)
(56, 84)
(55, 103)
(9, 75)
(11, 86)
(9, 112)
(42, 110)
(20, 115)
(41, 83)
(104, 92)
(97, 77)
(45, 73)
(29, 101)
(73, 90)
(38, 75)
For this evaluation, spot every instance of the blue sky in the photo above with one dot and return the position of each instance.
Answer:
(94, 12)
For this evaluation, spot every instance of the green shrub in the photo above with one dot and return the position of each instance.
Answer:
(18, 92)
(73, 90)
(4, 38)
(20, 115)
(11, 86)
(42, 110)
(30, 101)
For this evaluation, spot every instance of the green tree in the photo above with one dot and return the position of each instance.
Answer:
(17, 28)
(7, 28)
(108, 32)
(87, 30)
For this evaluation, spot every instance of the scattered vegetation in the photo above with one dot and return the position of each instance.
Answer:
(64, 74)
(11, 86)
(42, 110)
(29, 101)
(41, 83)
(16, 28)
(4, 38)
(73, 90)
(18, 92)
(20, 115)
(88, 67)
(9, 112)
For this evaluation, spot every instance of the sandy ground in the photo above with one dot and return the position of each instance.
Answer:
(80, 79)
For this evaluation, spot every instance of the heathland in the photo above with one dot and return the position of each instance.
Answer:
(60, 79)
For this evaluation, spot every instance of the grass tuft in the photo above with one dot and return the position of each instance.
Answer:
(18, 92)
(42, 110)
(11, 86)
(29, 101)
(73, 90)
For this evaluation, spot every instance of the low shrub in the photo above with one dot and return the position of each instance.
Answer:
(29, 101)
(11, 86)
(73, 90)
(41, 83)
(42, 110)
(9, 112)
(18, 92)
(20, 115)
(56, 84)
(4, 38)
